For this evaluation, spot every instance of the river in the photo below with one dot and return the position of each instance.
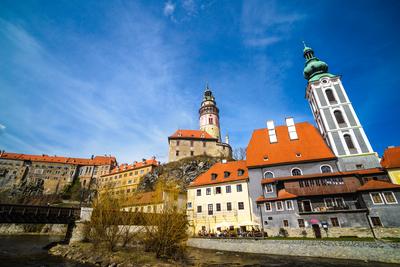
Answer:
(27, 250)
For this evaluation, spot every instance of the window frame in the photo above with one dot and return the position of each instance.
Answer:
(229, 206)
(216, 190)
(380, 196)
(239, 186)
(337, 219)
(270, 206)
(239, 206)
(372, 221)
(303, 224)
(218, 207)
(276, 206)
(208, 191)
(265, 177)
(272, 188)
(198, 192)
(199, 209)
(226, 189)
(326, 165)
(394, 196)
(291, 203)
(296, 168)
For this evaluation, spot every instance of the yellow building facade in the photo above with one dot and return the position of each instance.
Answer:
(123, 180)
(391, 162)
(218, 199)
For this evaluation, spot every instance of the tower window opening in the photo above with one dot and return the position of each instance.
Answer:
(210, 121)
(330, 96)
(339, 118)
(350, 143)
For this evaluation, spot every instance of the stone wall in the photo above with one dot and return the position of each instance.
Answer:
(356, 250)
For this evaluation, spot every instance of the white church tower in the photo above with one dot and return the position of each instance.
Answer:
(209, 115)
(335, 116)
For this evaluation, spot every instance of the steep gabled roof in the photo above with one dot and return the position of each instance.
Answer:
(391, 158)
(191, 134)
(377, 185)
(310, 146)
(219, 169)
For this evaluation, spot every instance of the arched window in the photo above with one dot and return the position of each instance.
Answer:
(330, 96)
(339, 118)
(268, 175)
(349, 143)
(326, 169)
(210, 121)
(296, 172)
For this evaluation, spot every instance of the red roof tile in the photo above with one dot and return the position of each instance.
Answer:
(191, 134)
(282, 194)
(153, 197)
(219, 168)
(137, 165)
(377, 185)
(310, 146)
(391, 158)
(320, 175)
(98, 160)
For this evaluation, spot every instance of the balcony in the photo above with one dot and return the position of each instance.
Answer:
(354, 207)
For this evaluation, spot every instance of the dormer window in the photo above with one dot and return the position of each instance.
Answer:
(266, 158)
(227, 174)
(213, 176)
(240, 172)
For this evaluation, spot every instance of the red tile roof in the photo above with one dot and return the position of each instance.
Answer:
(219, 168)
(191, 134)
(391, 158)
(377, 185)
(320, 175)
(153, 197)
(98, 160)
(282, 194)
(310, 146)
(136, 165)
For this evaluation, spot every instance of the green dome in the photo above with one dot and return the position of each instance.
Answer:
(313, 65)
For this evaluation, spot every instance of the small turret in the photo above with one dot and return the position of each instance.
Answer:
(209, 114)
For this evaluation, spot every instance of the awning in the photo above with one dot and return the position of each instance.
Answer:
(314, 221)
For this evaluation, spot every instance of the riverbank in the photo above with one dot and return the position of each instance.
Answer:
(37, 229)
(354, 250)
(85, 253)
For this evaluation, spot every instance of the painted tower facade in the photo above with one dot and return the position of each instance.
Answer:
(209, 115)
(335, 116)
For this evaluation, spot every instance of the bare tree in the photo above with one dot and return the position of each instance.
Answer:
(239, 153)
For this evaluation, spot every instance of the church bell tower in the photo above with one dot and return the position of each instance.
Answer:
(209, 115)
(335, 116)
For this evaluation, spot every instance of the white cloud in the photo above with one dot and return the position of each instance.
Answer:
(261, 42)
(2, 127)
(169, 8)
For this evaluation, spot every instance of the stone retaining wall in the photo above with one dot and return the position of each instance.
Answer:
(356, 250)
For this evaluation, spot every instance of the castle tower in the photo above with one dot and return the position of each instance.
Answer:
(335, 116)
(209, 115)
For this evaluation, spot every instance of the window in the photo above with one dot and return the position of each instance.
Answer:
(349, 141)
(198, 209)
(240, 172)
(268, 175)
(285, 223)
(177, 153)
(228, 189)
(208, 191)
(227, 174)
(218, 206)
(268, 206)
(238, 188)
(326, 169)
(177, 143)
(269, 188)
(376, 198)
(340, 202)
(389, 197)
(329, 202)
(301, 223)
(279, 205)
(218, 190)
(339, 118)
(213, 176)
(210, 209)
(296, 172)
(335, 222)
(241, 205)
(204, 144)
(189, 205)
(229, 206)
(191, 153)
(191, 143)
(289, 205)
(198, 192)
(210, 121)
(376, 221)
(330, 96)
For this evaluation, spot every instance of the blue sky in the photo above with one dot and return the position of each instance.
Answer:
(117, 77)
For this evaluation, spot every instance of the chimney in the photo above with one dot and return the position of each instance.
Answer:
(291, 128)
(271, 132)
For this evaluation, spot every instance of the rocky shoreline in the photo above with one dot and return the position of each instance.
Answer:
(35, 229)
(86, 253)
